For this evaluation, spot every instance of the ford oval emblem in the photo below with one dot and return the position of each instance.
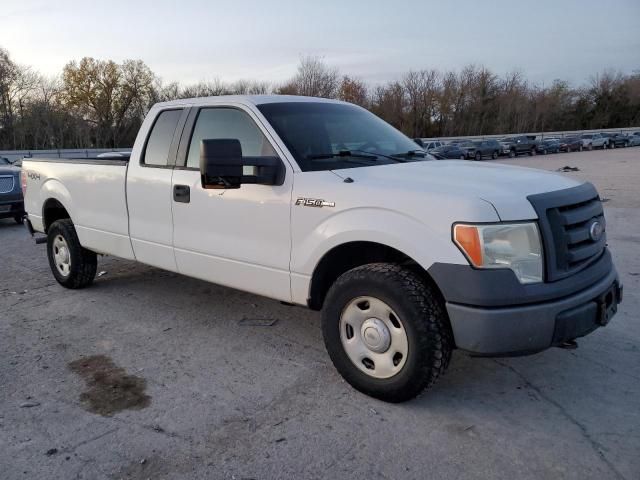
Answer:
(596, 230)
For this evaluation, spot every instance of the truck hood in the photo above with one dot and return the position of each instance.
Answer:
(505, 187)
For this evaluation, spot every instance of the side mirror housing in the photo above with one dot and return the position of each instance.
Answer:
(222, 166)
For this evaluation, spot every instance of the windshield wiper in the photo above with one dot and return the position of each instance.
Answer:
(411, 153)
(341, 153)
(390, 157)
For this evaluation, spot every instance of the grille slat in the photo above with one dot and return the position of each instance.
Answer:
(584, 252)
(6, 184)
(573, 216)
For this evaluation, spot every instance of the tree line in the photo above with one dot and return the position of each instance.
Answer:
(101, 103)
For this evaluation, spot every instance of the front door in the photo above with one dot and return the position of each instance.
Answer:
(235, 237)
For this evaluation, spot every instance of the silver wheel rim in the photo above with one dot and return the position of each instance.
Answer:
(373, 337)
(61, 255)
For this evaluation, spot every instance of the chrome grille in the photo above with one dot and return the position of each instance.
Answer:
(6, 183)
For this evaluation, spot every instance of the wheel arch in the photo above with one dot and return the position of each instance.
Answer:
(346, 256)
(52, 210)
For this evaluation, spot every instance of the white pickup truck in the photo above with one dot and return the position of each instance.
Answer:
(322, 204)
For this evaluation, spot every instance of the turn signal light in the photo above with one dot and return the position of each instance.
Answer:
(468, 238)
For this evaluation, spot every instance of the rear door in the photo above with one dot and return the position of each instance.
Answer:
(235, 237)
(149, 191)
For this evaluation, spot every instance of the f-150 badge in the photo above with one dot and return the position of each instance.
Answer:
(314, 202)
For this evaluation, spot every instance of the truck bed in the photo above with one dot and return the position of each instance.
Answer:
(93, 189)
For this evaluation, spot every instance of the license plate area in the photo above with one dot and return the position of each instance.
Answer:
(608, 305)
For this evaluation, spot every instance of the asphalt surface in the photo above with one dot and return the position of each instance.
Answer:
(192, 380)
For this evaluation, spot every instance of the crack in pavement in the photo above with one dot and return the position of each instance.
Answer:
(595, 445)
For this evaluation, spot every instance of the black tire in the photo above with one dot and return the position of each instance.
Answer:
(423, 317)
(462, 157)
(533, 152)
(512, 153)
(19, 219)
(83, 262)
(580, 148)
(544, 151)
(478, 156)
(494, 155)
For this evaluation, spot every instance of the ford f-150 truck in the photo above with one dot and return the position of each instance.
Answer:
(320, 203)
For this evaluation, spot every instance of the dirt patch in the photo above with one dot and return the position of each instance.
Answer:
(111, 389)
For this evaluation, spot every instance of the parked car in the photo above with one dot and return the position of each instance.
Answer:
(634, 139)
(521, 144)
(431, 145)
(571, 144)
(549, 145)
(11, 201)
(406, 258)
(452, 151)
(593, 140)
(487, 148)
(469, 149)
(616, 140)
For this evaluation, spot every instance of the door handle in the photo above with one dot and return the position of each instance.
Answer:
(181, 193)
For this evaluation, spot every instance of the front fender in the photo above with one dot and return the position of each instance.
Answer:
(424, 244)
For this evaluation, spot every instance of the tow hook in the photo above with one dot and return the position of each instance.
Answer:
(569, 345)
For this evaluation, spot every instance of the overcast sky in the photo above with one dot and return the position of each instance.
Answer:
(192, 40)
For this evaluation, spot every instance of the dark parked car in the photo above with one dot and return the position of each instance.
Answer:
(469, 148)
(549, 145)
(487, 148)
(11, 202)
(616, 140)
(521, 144)
(571, 144)
(449, 151)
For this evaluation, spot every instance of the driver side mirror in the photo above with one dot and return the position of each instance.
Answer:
(221, 166)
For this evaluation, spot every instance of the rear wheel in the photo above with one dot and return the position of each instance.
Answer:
(72, 265)
(494, 155)
(580, 148)
(462, 157)
(512, 153)
(533, 152)
(478, 156)
(386, 331)
(19, 219)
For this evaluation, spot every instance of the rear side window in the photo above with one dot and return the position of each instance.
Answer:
(156, 152)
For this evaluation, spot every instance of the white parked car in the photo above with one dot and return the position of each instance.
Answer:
(594, 140)
(406, 257)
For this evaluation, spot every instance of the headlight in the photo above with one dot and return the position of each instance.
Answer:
(503, 245)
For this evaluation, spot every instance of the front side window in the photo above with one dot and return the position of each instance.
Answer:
(156, 152)
(228, 123)
(329, 136)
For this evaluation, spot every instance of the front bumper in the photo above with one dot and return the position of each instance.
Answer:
(11, 208)
(524, 329)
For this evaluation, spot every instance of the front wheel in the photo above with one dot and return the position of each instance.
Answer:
(72, 265)
(19, 219)
(478, 156)
(386, 331)
(494, 155)
(512, 153)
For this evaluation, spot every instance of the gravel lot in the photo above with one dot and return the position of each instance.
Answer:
(215, 389)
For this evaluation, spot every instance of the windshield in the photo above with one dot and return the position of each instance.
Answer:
(329, 136)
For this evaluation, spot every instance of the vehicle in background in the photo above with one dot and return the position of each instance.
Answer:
(469, 149)
(634, 139)
(521, 144)
(487, 148)
(593, 140)
(11, 201)
(616, 140)
(431, 145)
(549, 145)
(452, 151)
(571, 144)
